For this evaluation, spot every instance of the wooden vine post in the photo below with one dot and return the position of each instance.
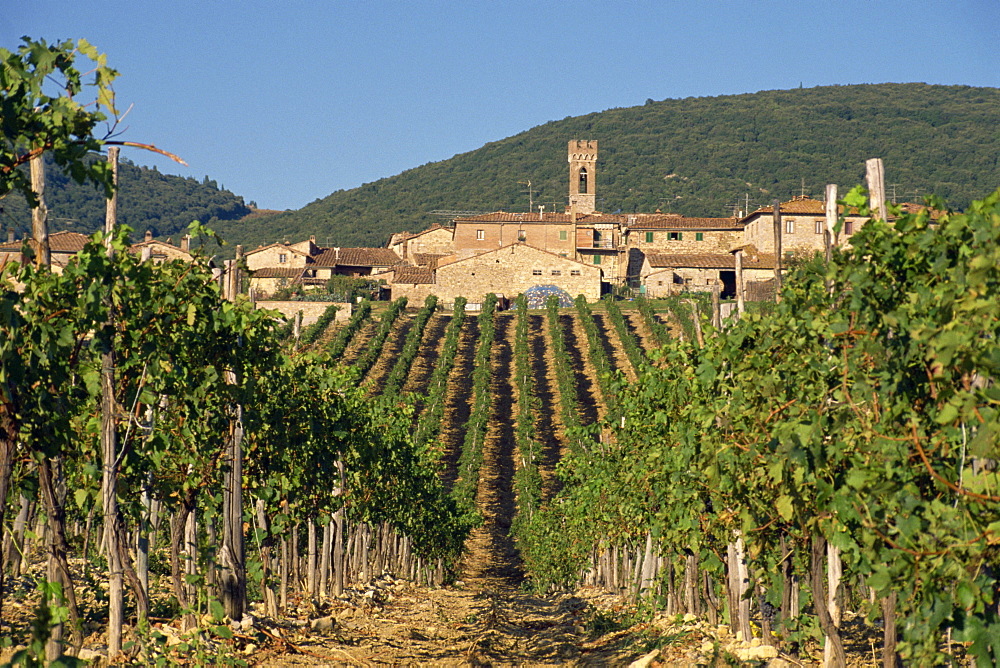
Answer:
(830, 231)
(233, 556)
(109, 446)
(777, 249)
(830, 236)
(40, 213)
(48, 469)
(740, 303)
(875, 176)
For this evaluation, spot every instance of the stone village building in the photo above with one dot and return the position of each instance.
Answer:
(65, 245)
(655, 253)
(580, 250)
(281, 265)
(506, 271)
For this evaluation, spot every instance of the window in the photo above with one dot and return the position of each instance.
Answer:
(848, 227)
(583, 180)
(819, 227)
(556, 272)
(522, 235)
(283, 258)
(562, 235)
(480, 235)
(597, 259)
(536, 272)
(699, 236)
(649, 237)
(574, 272)
(659, 282)
(675, 236)
(790, 226)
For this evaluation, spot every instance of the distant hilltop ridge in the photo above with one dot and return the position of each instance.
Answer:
(702, 157)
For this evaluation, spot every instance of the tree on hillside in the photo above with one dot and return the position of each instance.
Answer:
(40, 90)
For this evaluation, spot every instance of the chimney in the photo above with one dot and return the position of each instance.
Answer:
(312, 238)
(10, 235)
(149, 235)
(186, 243)
(336, 254)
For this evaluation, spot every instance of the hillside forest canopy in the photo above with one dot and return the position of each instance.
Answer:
(148, 200)
(706, 156)
(694, 156)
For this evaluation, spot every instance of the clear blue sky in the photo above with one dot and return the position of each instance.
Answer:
(286, 102)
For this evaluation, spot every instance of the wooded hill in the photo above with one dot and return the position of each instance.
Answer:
(694, 156)
(163, 203)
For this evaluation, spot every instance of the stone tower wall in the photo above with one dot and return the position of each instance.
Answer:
(582, 154)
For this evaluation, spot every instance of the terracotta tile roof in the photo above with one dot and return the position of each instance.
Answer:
(671, 222)
(413, 275)
(356, 257)
(60, 242)
(278, 272)
(428, 259)
(67, 242)
(802, 206)
(914, 207)
(640, 221)
(512, 217)
(708, 261)
(156, 244)
(278, 244)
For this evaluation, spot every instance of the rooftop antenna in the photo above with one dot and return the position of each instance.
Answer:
(531, 201)
(893, 186)
(802, 192)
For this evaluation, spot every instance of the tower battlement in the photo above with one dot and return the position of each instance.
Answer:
(582, 156)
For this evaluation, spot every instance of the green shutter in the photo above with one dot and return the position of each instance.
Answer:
(597, 259)
(698, 236)
(649, 237)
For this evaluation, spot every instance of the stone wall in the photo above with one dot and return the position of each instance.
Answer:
(512, 270)
(438, 242)
(712, 241)
(799, 234)
(555, 237)
(271, 257)
(311, 311)
(415, 293)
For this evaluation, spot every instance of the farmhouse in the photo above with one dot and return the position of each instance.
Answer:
(506, 271)
(163, 251)
(62, 247)
(656, 253)
(435, 240)
(281, 265)
(663, 275)
(803, 221)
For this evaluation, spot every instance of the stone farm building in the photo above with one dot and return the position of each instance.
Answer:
(506, 271)
(655, 253)
(62, 247)
(65, 245)
(579, 250)
(281, 265)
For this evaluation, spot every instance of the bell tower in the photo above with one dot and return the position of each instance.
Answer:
(582, 176)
